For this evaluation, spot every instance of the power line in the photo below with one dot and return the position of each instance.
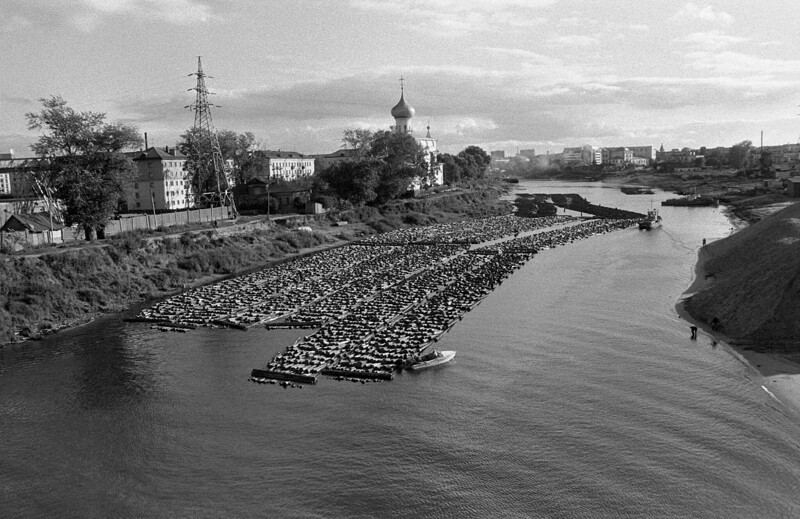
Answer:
(207, 160)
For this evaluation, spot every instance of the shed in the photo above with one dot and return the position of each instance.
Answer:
(38, 227)
(793, 187)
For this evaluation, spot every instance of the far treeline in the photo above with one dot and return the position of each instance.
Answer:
(90, 174)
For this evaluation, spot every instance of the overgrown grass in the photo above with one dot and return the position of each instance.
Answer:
(40, 294)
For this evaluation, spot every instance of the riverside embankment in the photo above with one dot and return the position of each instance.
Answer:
(45, 291)
(747, 285)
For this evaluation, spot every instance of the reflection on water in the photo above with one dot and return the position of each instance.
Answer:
(576, 392)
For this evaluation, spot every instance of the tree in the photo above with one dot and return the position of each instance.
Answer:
(88, 172)
(740, 155)
(359, 139)
(397, 149)
(355, 181)
(765, 163)
(236, 150)
(476, 161)
(452, 166)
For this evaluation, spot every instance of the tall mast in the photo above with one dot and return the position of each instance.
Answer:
(211, 175)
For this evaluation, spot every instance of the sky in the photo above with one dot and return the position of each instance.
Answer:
(499, 74)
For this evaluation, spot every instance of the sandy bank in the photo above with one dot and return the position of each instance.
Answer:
(779, 373)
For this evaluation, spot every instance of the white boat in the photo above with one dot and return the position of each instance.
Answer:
(433, 358)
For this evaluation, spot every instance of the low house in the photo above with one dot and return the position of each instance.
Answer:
(37, 228)
(793, 187)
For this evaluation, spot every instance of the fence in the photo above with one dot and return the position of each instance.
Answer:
(153, 221)
(20, 239)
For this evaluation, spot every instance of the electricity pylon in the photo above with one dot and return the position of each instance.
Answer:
(211, 175)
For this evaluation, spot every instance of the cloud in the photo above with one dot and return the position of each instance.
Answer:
(573, 40)
(15, 23)
(447, 18)
(691, 12)
(173, 11)
(712, 40)
(639, 27)
(736, 63)
(88, 15)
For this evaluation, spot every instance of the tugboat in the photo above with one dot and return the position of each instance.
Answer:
(651, 220)
(434, 358)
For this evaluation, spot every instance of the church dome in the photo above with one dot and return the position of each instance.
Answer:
(402, 110)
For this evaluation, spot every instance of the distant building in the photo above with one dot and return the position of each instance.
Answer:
(683, 157)
(287, 165)
(585, 155)
(620, 156)
(529, 154)
(327, 160)
(793, 187)
(644, 152)
(498, 154)
(5, 183)
(163, 184)
(17, 172)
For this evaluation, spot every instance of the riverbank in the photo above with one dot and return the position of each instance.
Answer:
(746, 199)
(779, 372)
(45, 291)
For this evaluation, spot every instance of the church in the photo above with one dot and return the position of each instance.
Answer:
(403, 113)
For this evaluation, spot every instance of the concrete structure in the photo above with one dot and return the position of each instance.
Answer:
(530, 154)
(164, 183)
(287, 165)
(5, 183)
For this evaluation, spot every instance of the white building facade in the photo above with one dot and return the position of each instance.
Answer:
(287, 165)
(164, 183)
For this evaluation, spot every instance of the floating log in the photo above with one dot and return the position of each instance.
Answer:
(280, 375)
(229, 324)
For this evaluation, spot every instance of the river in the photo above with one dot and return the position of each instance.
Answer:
(576, 392)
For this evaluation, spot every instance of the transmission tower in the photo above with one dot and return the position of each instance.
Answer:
(211, 175)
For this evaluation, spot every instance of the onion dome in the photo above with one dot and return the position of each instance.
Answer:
(402, 110)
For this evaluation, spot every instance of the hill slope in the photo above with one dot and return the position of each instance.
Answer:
(755, 292)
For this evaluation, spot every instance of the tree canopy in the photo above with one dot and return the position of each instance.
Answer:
(470, 163)
(385, 165)
(740, 155)
(88, 172)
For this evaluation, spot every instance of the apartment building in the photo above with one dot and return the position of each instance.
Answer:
(164, 184)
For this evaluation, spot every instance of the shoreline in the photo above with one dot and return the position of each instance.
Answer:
(195, 283)
(780, 375)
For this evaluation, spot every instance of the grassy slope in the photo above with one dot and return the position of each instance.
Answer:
(42, 293)
(756, 291)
